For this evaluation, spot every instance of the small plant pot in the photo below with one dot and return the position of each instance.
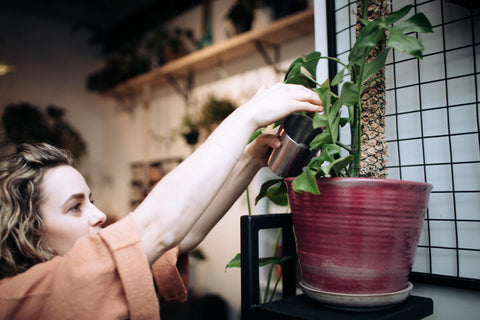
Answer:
(356, 241)
(243, 25)
(191, 137)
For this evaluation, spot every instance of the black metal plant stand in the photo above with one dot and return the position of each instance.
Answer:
(293, 306)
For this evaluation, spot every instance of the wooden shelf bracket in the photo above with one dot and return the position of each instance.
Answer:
(273, 62)
(184, 91)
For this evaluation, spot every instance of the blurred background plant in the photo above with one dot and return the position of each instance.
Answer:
(26, 123)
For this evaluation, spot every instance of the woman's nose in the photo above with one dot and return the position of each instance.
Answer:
(97, 217)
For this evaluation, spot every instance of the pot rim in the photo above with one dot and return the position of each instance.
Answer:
(359, 181)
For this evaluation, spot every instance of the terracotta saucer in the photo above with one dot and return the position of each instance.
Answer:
(357, 302)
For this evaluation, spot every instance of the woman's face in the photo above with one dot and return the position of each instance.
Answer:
(67, 208)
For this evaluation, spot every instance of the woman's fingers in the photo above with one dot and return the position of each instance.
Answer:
(280, 100)
(262, 147)
(269, 140)
(261, 89)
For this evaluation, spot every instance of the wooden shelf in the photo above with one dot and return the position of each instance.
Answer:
(276, 33)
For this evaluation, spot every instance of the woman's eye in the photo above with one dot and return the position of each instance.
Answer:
(76, 208)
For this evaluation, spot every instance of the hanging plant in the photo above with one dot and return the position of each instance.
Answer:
(25, 123)
(214, 111)
(190, 129)
(241, 15)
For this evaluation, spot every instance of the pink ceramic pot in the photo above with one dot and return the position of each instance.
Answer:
(360, 235)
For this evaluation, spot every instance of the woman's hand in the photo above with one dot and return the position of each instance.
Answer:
(261, 148)
(277, 102)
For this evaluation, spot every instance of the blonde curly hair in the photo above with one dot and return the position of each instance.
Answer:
(21, 224)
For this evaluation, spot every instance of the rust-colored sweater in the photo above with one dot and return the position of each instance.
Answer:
(102, 277)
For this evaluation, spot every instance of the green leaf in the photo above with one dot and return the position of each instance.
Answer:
(326, 97)
(266, 189)
(334, 128)
(311, 61)
(416, 23)
(331, 149)
(333, 168)
(364, 21)
(272, 260)
(350, 93)
(279, 195)
(397, 15)
(319, 120)
(315, 164)
(303, 71)
(279, 199)
(320, 139)
(338, 78)
(322, 89)
(344, 121)
(309, 80)
(368, 38)
(341, 163)
(306, 181)
(334, 110)
(328, 151)
(375, 65)
(405, 44)
(255, 135)
(326, 84)
(294, 69)
(234, 263)
(293, 75)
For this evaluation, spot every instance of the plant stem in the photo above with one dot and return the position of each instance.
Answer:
(336, 60)
(344, 146)
(248, 203)
(270, 271)
(276, 284)
(370, 81)
(356, 133)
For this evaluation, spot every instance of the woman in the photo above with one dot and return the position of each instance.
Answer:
(57, 262)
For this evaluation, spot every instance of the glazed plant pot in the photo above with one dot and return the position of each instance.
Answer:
(358, 237)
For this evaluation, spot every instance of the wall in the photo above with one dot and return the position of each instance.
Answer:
(51, 63)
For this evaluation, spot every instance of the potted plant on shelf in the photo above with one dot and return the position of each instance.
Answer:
(163, 45)
(213, 111)
(356, 233)
(241, 15)
(190, 129)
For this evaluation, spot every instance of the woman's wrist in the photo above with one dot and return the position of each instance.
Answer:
(251, 157)
(233, 133)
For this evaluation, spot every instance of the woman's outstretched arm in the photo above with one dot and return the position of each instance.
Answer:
(253, 158)
(177, 202)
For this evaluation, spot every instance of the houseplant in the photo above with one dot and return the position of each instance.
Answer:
(356, 236)
(241, 15)
(26, 123)
(164, 45)
(215, 110)
(190, 130)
